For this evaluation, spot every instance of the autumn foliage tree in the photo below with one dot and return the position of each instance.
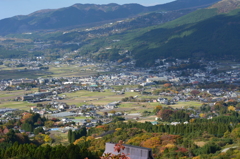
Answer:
(157, 109)
(195, 92)
(173, 115)
(167, 85)
(165, 114)
(231, 108)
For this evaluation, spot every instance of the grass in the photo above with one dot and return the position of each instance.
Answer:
(80, 117)
(102, 98)
(9, 95)
(84, 97)
(127, 94)
(137, 107)
(15, 74)
(6, 99)
(17, 105)
(88, 94)
(5, 95)
(60, 138)
(98, 98)
(149, 97)
(124, 86)
(70, 71)
(54, 71)
(187, 104)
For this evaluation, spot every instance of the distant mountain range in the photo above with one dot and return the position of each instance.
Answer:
(87, 14)
(209, 33)
(143, 33)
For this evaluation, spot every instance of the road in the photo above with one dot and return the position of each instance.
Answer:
(226, 149)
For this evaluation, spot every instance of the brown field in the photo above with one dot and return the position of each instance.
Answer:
(200, 143)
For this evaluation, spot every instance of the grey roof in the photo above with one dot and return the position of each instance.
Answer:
(134, 152)
(7, 110)
(63, 114)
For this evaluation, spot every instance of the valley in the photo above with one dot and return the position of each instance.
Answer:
(160, 80)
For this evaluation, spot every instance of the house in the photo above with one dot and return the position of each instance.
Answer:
(112, 105)
(38, 95)
(34, 109)
(154, 123)
(27, 98)
(175, 123)
(157, 79)
(134, 152)
(162, 100)
(15, 82)
(27, 81)
(194, 116)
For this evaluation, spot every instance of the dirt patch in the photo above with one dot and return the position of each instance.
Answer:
(200, 143)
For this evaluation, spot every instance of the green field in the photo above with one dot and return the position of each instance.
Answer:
(80, 117)
(84, 97)
(13, 94)
(187, 104)
(17, 105)
(54, 71)
(70, 71)
(6, 99)
(97, 98)
(84, 93)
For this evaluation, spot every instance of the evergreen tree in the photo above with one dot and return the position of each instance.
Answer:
(73, 137)
(70, 135)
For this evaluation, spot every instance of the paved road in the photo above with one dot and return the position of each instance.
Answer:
(226, 149)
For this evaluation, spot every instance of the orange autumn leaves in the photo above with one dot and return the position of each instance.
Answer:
(155, 141)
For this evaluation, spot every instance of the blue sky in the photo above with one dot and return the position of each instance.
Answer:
(9, 8)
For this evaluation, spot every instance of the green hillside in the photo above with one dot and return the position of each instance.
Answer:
(193, 17)
(201, 34)
(217, 37)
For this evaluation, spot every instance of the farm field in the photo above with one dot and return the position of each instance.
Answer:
(17, 105)
(96, 98)
(70, 71)
(187, 104)
(7, 97)
(84, 97)
(53, 71)
(17, 74)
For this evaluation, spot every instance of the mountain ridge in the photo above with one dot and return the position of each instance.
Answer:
(225, 6)
(205, 33)
(81, 14)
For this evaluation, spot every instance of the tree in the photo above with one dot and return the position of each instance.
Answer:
(70, 135)
(39, 105)
(167, 85)
(235, 133)
(73, 137)
(202, 115)
(165, 114)
(10, 136)
(39, 130)
(157, 109)
(105, 114)
(195, 92)
(47, 138)
(112, 111)
(27, 127)
(231, 108)
(152, 142)
(48, 124)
